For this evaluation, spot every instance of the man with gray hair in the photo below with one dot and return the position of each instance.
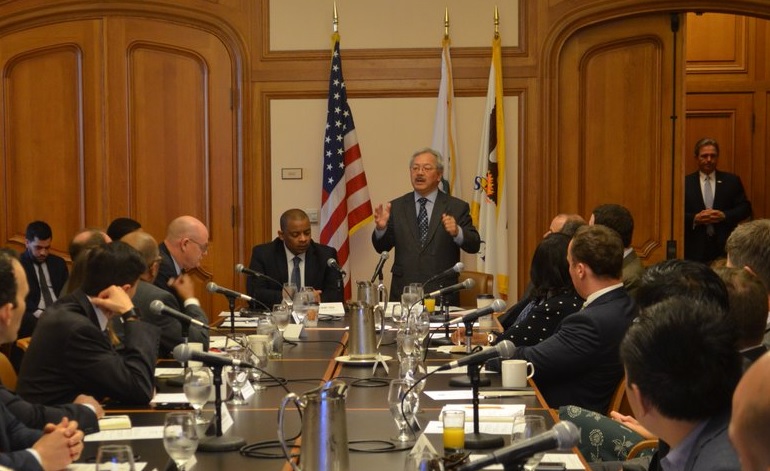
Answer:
(749, 247)
(187, 241)
(426, 226)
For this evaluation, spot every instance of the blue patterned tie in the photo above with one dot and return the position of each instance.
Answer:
(422, 220)
(295, 273)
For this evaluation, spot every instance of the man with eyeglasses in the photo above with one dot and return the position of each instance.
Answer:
(187, 241)
(427, 228)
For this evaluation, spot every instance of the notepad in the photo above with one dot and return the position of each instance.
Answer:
(114, 422)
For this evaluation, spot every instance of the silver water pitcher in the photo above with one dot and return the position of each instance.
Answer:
(324, 427)
(361, 319)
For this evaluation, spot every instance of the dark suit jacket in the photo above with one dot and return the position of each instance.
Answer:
(70, 355)
(416, 264)
(166, 270)
(37, 415)
(15, 438)
(171, 329)
(730, 198)
(541, 321)
(270, 259)
(579, 364)
(632, 273)
(57, 269)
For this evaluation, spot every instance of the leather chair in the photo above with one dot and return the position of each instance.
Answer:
(7, 373)
(483, 286)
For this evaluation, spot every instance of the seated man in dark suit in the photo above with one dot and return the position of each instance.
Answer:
(579, 363)
(13, 290)
(46, 274)
(682, 368)
(619, 218)
(186, 242)
(293, 257)
(146, 293)
(714, 203)
(71, 351)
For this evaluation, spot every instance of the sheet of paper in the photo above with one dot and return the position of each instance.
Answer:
(169, 398)
(331, 309)
(450, 395)
(489, 412)
(571, 461)
(492, 428)
(217, 341)
(168, 372)
(138, 466)
(133, 433)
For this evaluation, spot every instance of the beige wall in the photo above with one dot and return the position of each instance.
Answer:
(389, 131)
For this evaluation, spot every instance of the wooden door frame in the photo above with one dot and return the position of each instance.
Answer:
(537, 204)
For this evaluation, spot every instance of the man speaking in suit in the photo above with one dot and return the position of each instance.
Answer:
(714, 204)
(427, 227)
(293, 257)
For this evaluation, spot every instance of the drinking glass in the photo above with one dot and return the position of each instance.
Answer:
(281, 315)
(527, 426)
(401, 407)
(198, 385)
(421, 324)
(266, 326)
(415, 288)
(424, 460)
(180, 437)
(288, 293)
(115, 457)
(410, 302)
(454, 431)
(302, 301)
(236, 375)
(258, 344)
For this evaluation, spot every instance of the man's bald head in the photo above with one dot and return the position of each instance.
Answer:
(187, 239)
(750, 421)
(86, 239)
(147, 246)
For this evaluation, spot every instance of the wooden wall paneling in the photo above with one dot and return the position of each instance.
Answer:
(719, 43)
(175, 137)
(51, 129)
(614, 131)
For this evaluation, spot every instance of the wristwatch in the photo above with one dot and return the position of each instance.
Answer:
(129, 316)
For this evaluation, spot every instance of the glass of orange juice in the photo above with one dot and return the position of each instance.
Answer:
(454, 431)
(430, 304)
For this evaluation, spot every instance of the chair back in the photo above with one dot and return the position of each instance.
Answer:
(619, 401)
(483, 286)
(7, 373)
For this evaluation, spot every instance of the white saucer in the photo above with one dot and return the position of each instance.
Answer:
(362, 361)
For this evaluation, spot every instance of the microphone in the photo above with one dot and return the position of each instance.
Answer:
(456, 268)
(563, 435)
(380, 263)
(239, 268)
(183, 353)
(496, 306)
(467, 284)
(333, 264)
(212, 287)
(157, 307)
(503, 350)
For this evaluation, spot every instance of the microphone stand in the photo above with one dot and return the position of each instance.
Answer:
(219, 442)
(465, 381)
(178, 380)
(443, 340)
(231, 303)
(478, 440)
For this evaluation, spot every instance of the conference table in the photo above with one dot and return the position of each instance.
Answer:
(305, 365)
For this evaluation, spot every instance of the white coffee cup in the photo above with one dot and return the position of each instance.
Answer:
(516, 373)
(194, 347)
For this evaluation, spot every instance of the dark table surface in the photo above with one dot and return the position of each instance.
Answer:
(303, 367)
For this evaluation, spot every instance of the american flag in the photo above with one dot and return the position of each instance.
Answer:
(345, 203)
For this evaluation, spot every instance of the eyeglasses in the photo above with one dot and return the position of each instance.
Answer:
(424, 168)
(204, 247)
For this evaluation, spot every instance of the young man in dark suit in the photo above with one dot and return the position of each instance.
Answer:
(427, 227)
(714, 204)
(579, 364)
(71, 352)
(276, 260)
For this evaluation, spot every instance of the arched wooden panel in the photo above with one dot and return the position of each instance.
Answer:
(49, 138)
(614, 131)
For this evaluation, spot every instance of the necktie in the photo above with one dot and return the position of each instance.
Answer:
(422, 220)
(295, 273)
(44, 289)
(708, 200)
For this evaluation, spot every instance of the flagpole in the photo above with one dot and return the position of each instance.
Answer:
(446, 22)
(497, 23)
(335, 19)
